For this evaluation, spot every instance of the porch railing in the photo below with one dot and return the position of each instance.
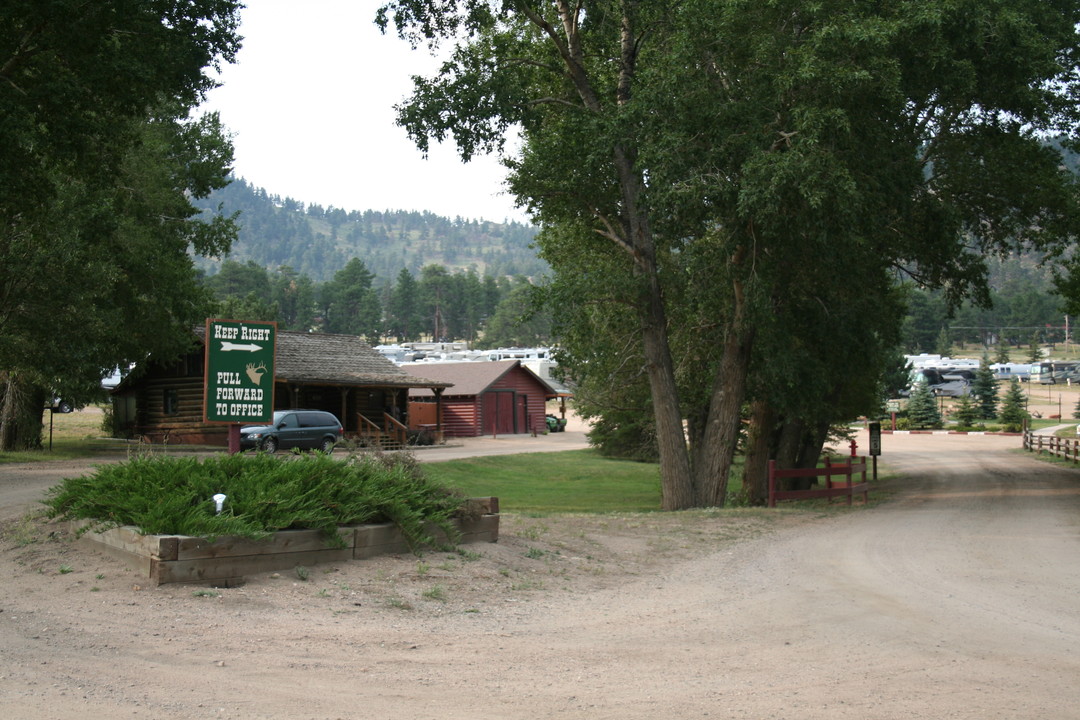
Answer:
(391, 433)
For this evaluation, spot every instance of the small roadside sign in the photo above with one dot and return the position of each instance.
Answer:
(892, 406)
(875, 439)
(239, 379)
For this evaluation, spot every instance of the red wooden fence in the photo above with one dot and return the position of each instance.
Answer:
(845, 486)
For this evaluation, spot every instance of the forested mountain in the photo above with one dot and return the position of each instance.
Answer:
(1026, 306)
(283, 238)
(317, 241)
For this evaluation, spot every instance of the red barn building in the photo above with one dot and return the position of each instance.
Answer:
(487, 398)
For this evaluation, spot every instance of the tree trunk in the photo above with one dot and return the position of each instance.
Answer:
(675, 478)
(787, 452)
(714, 456)
(635, 238)
(813, 443)
(795, 442)
(759, 449)
(21, 407)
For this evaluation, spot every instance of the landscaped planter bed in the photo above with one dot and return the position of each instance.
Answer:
(165, 559)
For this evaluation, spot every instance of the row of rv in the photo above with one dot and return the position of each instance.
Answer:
(952, 376)
(456, 352)
(410, 354)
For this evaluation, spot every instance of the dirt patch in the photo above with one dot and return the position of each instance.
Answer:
(953, 598)
(535, 557)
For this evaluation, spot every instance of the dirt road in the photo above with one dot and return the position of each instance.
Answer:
(958, 597)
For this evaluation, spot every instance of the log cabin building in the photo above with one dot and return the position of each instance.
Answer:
(341, 374)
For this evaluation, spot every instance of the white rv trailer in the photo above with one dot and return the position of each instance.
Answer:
(1010, 370)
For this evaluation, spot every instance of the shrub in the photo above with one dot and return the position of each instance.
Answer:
(420, 437)
(173, 495)
(625, 434)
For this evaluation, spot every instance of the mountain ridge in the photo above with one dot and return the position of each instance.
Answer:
(317, 241)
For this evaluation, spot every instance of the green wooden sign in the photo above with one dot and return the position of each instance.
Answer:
(239, 378)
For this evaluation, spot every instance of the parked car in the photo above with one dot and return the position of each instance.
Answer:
(300, 429)
(59, 405)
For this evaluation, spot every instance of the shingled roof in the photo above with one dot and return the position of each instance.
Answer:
(469, 378)
(340, 360)
(325, 358)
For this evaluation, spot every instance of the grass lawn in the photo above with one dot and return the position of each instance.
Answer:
(63, 449)
(575, 481)
(542, 483)
(73, 435)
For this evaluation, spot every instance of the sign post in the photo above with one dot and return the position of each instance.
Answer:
(239, 379)
(893, 407)
(875, 444)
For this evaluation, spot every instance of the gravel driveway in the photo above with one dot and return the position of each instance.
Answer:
(957, 596)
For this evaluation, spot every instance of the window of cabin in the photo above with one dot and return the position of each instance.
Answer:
(171, 401)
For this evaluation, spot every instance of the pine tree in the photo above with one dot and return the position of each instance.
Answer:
(1035, 352)
(922, 408)
(984, 390)
(1013, 414)
(1001, 352)
(943, 345)
(966, 412)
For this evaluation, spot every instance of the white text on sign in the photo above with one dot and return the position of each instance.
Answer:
(239, 409)
(224, 332)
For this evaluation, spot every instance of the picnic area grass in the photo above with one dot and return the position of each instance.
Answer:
(573, 481)
(556, 482)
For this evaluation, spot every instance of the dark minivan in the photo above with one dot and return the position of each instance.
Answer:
(301, 429)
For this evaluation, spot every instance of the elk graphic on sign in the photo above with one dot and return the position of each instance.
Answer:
(256, 372)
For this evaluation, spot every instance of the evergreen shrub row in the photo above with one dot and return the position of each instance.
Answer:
(174, 496)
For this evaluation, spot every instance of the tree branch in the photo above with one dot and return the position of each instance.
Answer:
(569, 50)
(22, 52)
(611, 234)
(554, 101)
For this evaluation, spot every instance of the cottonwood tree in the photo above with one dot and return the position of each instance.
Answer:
(110, 279)
(714, 145)
(600, 353)
(99, 164)
(822, 361)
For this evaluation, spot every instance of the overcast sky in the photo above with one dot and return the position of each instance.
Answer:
(310, 104)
